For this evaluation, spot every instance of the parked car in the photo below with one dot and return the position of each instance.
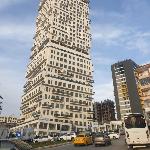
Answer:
(43, 139)
(14, 145)
(83, 139)
(102, 139)
(114, 135)
(68, 137)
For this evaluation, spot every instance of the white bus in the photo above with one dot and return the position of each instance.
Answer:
(136, 130)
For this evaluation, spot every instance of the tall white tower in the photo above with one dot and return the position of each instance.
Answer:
(58, 92)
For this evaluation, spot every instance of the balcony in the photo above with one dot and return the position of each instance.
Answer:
(29, 110)
(62, 115)
(32, 97)
(75, 109)
(46, 106)
(35, 70)
(43, 2)
(54, 99)
(89, 98)
(90, 118)
(74, 102)
(43, 44)
(66, 75)
(24, 106)
(89, 80)
(36, 114)
(83, 104)
(145, 87)
(38, 99)
(90, 111)
(59, 92)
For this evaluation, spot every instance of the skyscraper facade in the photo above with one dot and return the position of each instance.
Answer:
(143, 79)
(58, 92)
(125, 88)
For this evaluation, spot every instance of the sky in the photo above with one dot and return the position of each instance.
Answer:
(120, 30)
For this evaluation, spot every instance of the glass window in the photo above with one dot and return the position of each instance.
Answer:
(137, 121)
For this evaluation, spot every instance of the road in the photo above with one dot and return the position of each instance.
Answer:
(116, 145)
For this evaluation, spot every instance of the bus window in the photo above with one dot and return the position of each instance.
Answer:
(135, 122)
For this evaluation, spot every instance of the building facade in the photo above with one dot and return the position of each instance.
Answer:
(104, 112)
(58, 92)
(143, 79)
(8, 121)
(125, 88)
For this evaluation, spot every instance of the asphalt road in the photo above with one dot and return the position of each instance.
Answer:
(116, 145)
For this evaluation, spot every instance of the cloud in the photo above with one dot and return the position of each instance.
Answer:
(6, 3)
(129, 38)
(104, 91)
(18, 32)
(106, 33)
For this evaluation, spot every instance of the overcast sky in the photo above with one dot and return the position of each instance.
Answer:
(120, 30)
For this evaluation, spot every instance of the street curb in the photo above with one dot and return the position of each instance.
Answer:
(51, 146)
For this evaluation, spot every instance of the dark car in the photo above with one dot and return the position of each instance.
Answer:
(14, 145)
(102, 139)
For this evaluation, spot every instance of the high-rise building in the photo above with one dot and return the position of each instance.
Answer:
(58, 92)
(104, 112)
(125, 88)
(143, 79)
(8, 121)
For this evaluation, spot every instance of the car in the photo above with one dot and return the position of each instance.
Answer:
(42, 139)
(7, 144)
(114, 135)
(102, 139)
(83, 139)
(68, 137)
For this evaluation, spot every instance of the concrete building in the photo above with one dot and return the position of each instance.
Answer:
(58, 92)
(8, 121)
(143, 79)
(104, 112)
(111, 126)
(125, 88)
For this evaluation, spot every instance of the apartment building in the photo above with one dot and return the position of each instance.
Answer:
(125, 88)
(58, 92)
(8, 121)
(143, 79)
(104, 111)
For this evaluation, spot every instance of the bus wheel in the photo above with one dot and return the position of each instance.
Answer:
(130, 147)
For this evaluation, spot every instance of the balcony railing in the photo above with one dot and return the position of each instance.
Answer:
(62, 115)
(89, 118)
(89, 98)
(75, 110)
(46, 106)
(90, 111)
(59, 92)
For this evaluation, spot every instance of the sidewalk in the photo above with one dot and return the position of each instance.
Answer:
(51, 146)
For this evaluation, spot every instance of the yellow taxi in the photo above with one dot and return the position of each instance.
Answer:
(82, 139)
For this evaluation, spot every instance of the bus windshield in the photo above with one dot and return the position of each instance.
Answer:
(135, 121)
